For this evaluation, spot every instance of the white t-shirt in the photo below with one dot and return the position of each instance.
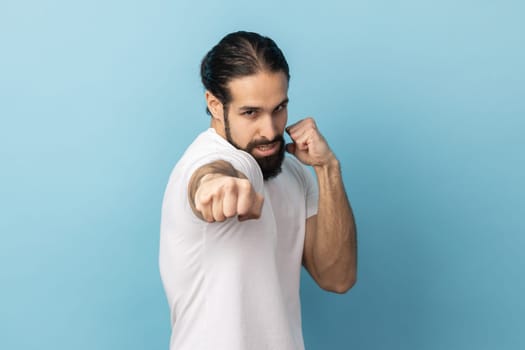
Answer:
(235, 285)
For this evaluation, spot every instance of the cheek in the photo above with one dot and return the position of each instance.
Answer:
(241, 132)
(281, 123)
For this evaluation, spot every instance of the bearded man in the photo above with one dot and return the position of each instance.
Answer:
(239, 218)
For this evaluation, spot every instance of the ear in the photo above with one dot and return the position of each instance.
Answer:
(215, 106)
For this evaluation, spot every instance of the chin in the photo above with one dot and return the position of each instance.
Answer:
(270, 174)
(271, 166)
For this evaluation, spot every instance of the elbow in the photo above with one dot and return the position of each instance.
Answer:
(341, 286)
(344, 287)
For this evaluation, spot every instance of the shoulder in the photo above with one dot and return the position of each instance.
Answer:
(209, 147)
(293, 171)
(295, 168)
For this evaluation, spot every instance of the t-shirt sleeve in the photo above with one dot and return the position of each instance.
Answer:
(241, 161)
(206, 149)
(309, 183)
(312, 193)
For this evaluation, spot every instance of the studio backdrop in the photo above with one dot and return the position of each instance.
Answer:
(423, 103)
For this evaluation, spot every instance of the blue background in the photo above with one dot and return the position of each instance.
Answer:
(423, 102)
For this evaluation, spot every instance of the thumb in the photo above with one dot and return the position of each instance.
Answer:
(290, 148)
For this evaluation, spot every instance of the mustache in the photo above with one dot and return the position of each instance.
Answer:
(264, 141)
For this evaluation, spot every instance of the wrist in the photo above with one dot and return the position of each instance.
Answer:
(331, 164)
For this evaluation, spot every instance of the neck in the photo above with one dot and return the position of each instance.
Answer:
(219, 127)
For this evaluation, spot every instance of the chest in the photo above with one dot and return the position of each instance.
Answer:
(285, 201)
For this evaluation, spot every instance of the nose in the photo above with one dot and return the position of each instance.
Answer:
(268, 127)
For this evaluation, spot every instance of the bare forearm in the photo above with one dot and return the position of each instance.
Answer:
(330, 241)
(334, 249)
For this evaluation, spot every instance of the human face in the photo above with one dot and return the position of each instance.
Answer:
(255, 119)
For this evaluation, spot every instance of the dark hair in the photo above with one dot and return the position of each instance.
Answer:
(236, 55)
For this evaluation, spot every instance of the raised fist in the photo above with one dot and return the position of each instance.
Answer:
(309, 146)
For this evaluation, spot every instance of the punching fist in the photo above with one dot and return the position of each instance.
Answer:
(309, 146)
(217, 192)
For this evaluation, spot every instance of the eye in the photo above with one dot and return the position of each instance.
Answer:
(249, 112)
(280, 107)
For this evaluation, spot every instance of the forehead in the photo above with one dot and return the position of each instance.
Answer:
(260, 89)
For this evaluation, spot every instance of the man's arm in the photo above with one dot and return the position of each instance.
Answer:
(217, 191)
(330, 248)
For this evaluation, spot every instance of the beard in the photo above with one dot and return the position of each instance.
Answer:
(270, 165)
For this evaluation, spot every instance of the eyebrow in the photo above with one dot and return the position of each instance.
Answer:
(245, 108)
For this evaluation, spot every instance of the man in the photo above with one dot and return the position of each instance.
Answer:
(239, 218)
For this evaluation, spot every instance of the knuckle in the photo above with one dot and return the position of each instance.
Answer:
(244, 209)
(229, 213)
(215, 197)
(244, 184)
(198, 204)
(228, 186)
(200, 197)
(207, 217)
(310, 122)
(230, 181)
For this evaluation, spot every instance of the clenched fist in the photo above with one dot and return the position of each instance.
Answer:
(219, 197)
(309, 146)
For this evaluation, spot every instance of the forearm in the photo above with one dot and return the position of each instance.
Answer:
(334, 249)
